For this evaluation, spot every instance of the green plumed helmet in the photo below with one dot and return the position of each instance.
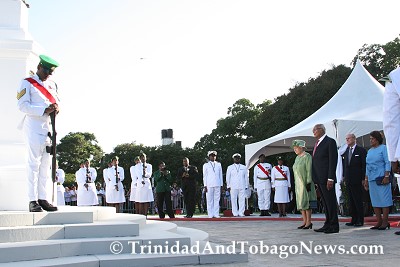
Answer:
(300, 143)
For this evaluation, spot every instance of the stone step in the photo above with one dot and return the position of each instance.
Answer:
(48, 249)
(127, 260)
(66, 231)
(9, 218)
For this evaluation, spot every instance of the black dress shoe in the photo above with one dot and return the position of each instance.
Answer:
(321, 230)
(308, 227)
(46, 205)
(350, 224)
(301, 226)
(34, 207)
(331, 231)
(397, 233)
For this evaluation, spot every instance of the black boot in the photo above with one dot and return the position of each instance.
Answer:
(267, 213)
(46, 205)
(262, 213)
(34, 207)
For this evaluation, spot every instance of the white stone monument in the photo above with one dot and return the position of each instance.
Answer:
(18, 55)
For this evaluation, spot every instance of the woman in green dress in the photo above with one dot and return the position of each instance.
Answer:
(304, 186)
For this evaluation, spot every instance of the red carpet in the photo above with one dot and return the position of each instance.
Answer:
(394, 220)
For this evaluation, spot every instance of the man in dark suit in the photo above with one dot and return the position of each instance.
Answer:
(354, 173)
(187, 178)
(324, 163)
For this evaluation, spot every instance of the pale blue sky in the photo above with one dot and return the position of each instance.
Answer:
(131, 68)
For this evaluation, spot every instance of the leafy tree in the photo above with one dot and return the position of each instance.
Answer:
(379, 59)
(74, 148)
(232, 132)
(301, 101)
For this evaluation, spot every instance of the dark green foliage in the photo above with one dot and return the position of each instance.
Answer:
(301, 101)
(75, 148)
(379, 59)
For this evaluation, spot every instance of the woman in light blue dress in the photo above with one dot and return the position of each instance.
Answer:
(378, 165)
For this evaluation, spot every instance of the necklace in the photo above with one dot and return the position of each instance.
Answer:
(213, 166)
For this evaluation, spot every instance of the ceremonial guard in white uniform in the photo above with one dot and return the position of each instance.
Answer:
(212, 180)
(37, 98)
(280, 180)
(262, 183)
(87, 193)
(60, 179)
(144, 191)
(115, 193)
(237, 180)
(134, 182)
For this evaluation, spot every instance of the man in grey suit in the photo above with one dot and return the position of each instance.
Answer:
(324, 163)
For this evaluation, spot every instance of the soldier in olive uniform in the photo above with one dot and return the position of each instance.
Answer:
(163, 180)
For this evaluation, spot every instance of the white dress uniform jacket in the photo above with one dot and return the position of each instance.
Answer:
(263, 185)
(237, 179)
(212, 179)
(60, 179)
(144, 192)
(281, 184)
(86, 196)
(36, 126)
(133, 183)
(391, 115)
(112, 194)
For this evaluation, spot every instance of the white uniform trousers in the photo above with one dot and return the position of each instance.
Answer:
(60, 195)
(213, 196)
(264, 196)
(235, 195)
(39, 162)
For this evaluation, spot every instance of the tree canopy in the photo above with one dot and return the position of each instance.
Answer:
(75, 148)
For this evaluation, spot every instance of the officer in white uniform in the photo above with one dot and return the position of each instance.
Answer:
(134, 181)
(37, 98)
(280, 180)
(87, 193)
(115, 193)
(60, 179)
(262, 184)
(144, 190)
(237, 181)
(212, 180)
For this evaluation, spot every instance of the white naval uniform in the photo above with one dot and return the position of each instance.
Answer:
(263, 186)
(237, 179)
(212, 179)
(281, 184)
(112, 195)
(144, 192)
(391, 115)
(60, 179)
(35, 127)
(86, 196)
(133, 183)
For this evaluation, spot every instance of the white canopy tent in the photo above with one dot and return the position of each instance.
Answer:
(355, 108)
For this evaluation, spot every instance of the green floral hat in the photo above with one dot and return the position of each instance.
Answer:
(300, 143)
